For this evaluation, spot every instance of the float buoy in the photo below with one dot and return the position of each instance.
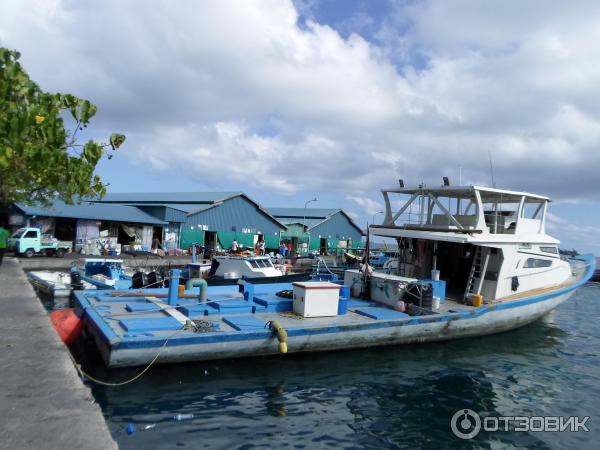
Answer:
(67, 324)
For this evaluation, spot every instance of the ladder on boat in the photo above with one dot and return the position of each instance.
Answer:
(478, 270)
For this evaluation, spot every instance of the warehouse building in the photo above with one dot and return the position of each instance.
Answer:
(90, 226)
(326, 231)
(212, 219)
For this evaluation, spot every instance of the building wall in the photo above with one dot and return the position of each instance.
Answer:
(236, 218)
(337, 227)
(235, 214)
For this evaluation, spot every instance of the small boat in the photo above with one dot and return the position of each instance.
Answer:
(229, 269)
(104, 273)
(54, 284)
(97, 273)
(472, 261)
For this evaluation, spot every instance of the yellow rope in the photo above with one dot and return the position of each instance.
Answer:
(84, 374)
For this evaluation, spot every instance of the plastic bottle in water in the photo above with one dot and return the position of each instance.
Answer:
(183, 416)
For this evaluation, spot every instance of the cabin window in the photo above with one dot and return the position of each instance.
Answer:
(253, 264)
(30, 234)
(553, 250)
(532, 263)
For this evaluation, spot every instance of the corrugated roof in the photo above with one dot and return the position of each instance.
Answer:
(168, 197)
(93, 211)
(312, 213)
(185, 207)
(301, 221)
(314, 216)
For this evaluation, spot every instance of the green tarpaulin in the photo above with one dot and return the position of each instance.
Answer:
(188, 237)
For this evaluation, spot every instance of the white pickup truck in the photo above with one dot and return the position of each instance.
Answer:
(29, 241)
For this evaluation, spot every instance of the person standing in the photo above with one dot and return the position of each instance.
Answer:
(3, 242)
(234, 246)
(261, 247)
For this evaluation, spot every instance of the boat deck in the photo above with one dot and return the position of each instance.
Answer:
(132, 327)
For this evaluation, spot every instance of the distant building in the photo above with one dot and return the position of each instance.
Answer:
(320, 230)
(213, 219)
(180, 219)
(88, 222)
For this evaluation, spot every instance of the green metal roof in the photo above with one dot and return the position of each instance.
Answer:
(92, 211)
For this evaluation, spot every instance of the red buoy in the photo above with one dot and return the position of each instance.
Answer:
(67, 324)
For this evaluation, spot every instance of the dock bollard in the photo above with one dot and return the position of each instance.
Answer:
(173, 287)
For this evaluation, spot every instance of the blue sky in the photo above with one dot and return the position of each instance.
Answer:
(288, 100)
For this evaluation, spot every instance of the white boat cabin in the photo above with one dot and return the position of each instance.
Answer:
(246, 266)
(484, 241)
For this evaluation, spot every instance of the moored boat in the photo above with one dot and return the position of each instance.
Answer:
(54, 284)
(472, 261)
(229, 269)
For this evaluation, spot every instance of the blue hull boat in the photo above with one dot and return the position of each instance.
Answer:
(133, 328)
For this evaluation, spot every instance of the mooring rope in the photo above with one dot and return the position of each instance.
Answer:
(84, 374)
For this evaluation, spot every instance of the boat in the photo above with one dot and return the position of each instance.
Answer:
(229, 269)
(97, 273)
(472, 261)
(54, 284)
(105, 273)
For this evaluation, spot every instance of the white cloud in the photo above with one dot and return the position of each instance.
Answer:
(578, 235)
(368, 205)
(238, 94)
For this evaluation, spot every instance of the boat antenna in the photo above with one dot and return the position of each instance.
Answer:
(491, 168)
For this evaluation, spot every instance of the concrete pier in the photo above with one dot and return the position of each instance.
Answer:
(43, 402)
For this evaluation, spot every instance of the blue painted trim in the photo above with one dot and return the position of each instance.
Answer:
(206, 338)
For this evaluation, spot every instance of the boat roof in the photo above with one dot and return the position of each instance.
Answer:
(487, 193)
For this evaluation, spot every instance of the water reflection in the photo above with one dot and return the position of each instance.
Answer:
(387, 397)
(390, 396)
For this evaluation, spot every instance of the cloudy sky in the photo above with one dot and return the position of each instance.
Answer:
(288, 100)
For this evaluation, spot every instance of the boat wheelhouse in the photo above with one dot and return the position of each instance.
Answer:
(480, 240)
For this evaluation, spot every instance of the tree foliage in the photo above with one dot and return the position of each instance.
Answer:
(39, 159)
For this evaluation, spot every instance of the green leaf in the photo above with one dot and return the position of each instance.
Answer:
(37, 164)
(116, 140)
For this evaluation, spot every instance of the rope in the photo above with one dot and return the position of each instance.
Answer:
(322, 260)
(84, 374)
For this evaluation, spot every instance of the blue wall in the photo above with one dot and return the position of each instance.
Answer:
(236, 212)
(337, 227)
(164, 213)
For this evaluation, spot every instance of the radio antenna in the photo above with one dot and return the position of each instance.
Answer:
(491, 168)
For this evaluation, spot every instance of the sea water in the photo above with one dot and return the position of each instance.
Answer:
(387, 397)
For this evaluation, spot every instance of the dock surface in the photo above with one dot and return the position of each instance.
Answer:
(43, 402)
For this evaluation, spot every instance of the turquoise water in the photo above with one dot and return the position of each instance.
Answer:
(393, 397)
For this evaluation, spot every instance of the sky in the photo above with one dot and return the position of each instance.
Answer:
(334, 99)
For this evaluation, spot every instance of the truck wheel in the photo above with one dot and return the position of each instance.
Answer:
(60, 253)
(29, 253)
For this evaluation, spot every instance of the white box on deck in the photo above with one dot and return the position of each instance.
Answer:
(316, 298)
